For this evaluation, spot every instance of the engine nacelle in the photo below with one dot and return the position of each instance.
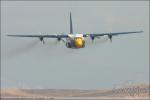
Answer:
(42, 40)
(92, 37)
(68, 44)
(110, 37)
(59, 38)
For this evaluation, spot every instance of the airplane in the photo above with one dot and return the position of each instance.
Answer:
(75, 41)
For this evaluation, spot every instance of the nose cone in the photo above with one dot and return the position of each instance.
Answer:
(78, 43)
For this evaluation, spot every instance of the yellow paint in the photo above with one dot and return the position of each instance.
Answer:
(78, 42)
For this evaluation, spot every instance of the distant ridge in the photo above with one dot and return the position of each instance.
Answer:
(131, 90)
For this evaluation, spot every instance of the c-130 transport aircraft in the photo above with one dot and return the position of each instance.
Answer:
(75, 41)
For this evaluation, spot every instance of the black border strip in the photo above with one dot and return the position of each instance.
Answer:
(74, 0)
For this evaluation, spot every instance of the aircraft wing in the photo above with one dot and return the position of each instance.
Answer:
(110, 34)
(41, 36)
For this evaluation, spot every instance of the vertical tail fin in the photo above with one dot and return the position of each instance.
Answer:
(71, 28)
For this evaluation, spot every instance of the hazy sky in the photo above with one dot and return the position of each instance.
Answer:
(27, 63)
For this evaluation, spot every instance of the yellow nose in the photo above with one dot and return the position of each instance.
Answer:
(78, 43)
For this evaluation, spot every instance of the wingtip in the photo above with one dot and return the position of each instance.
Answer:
(140, 31)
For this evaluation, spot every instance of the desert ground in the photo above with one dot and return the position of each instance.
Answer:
(136, 91)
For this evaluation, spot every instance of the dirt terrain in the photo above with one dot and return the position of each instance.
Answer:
(131, 91)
